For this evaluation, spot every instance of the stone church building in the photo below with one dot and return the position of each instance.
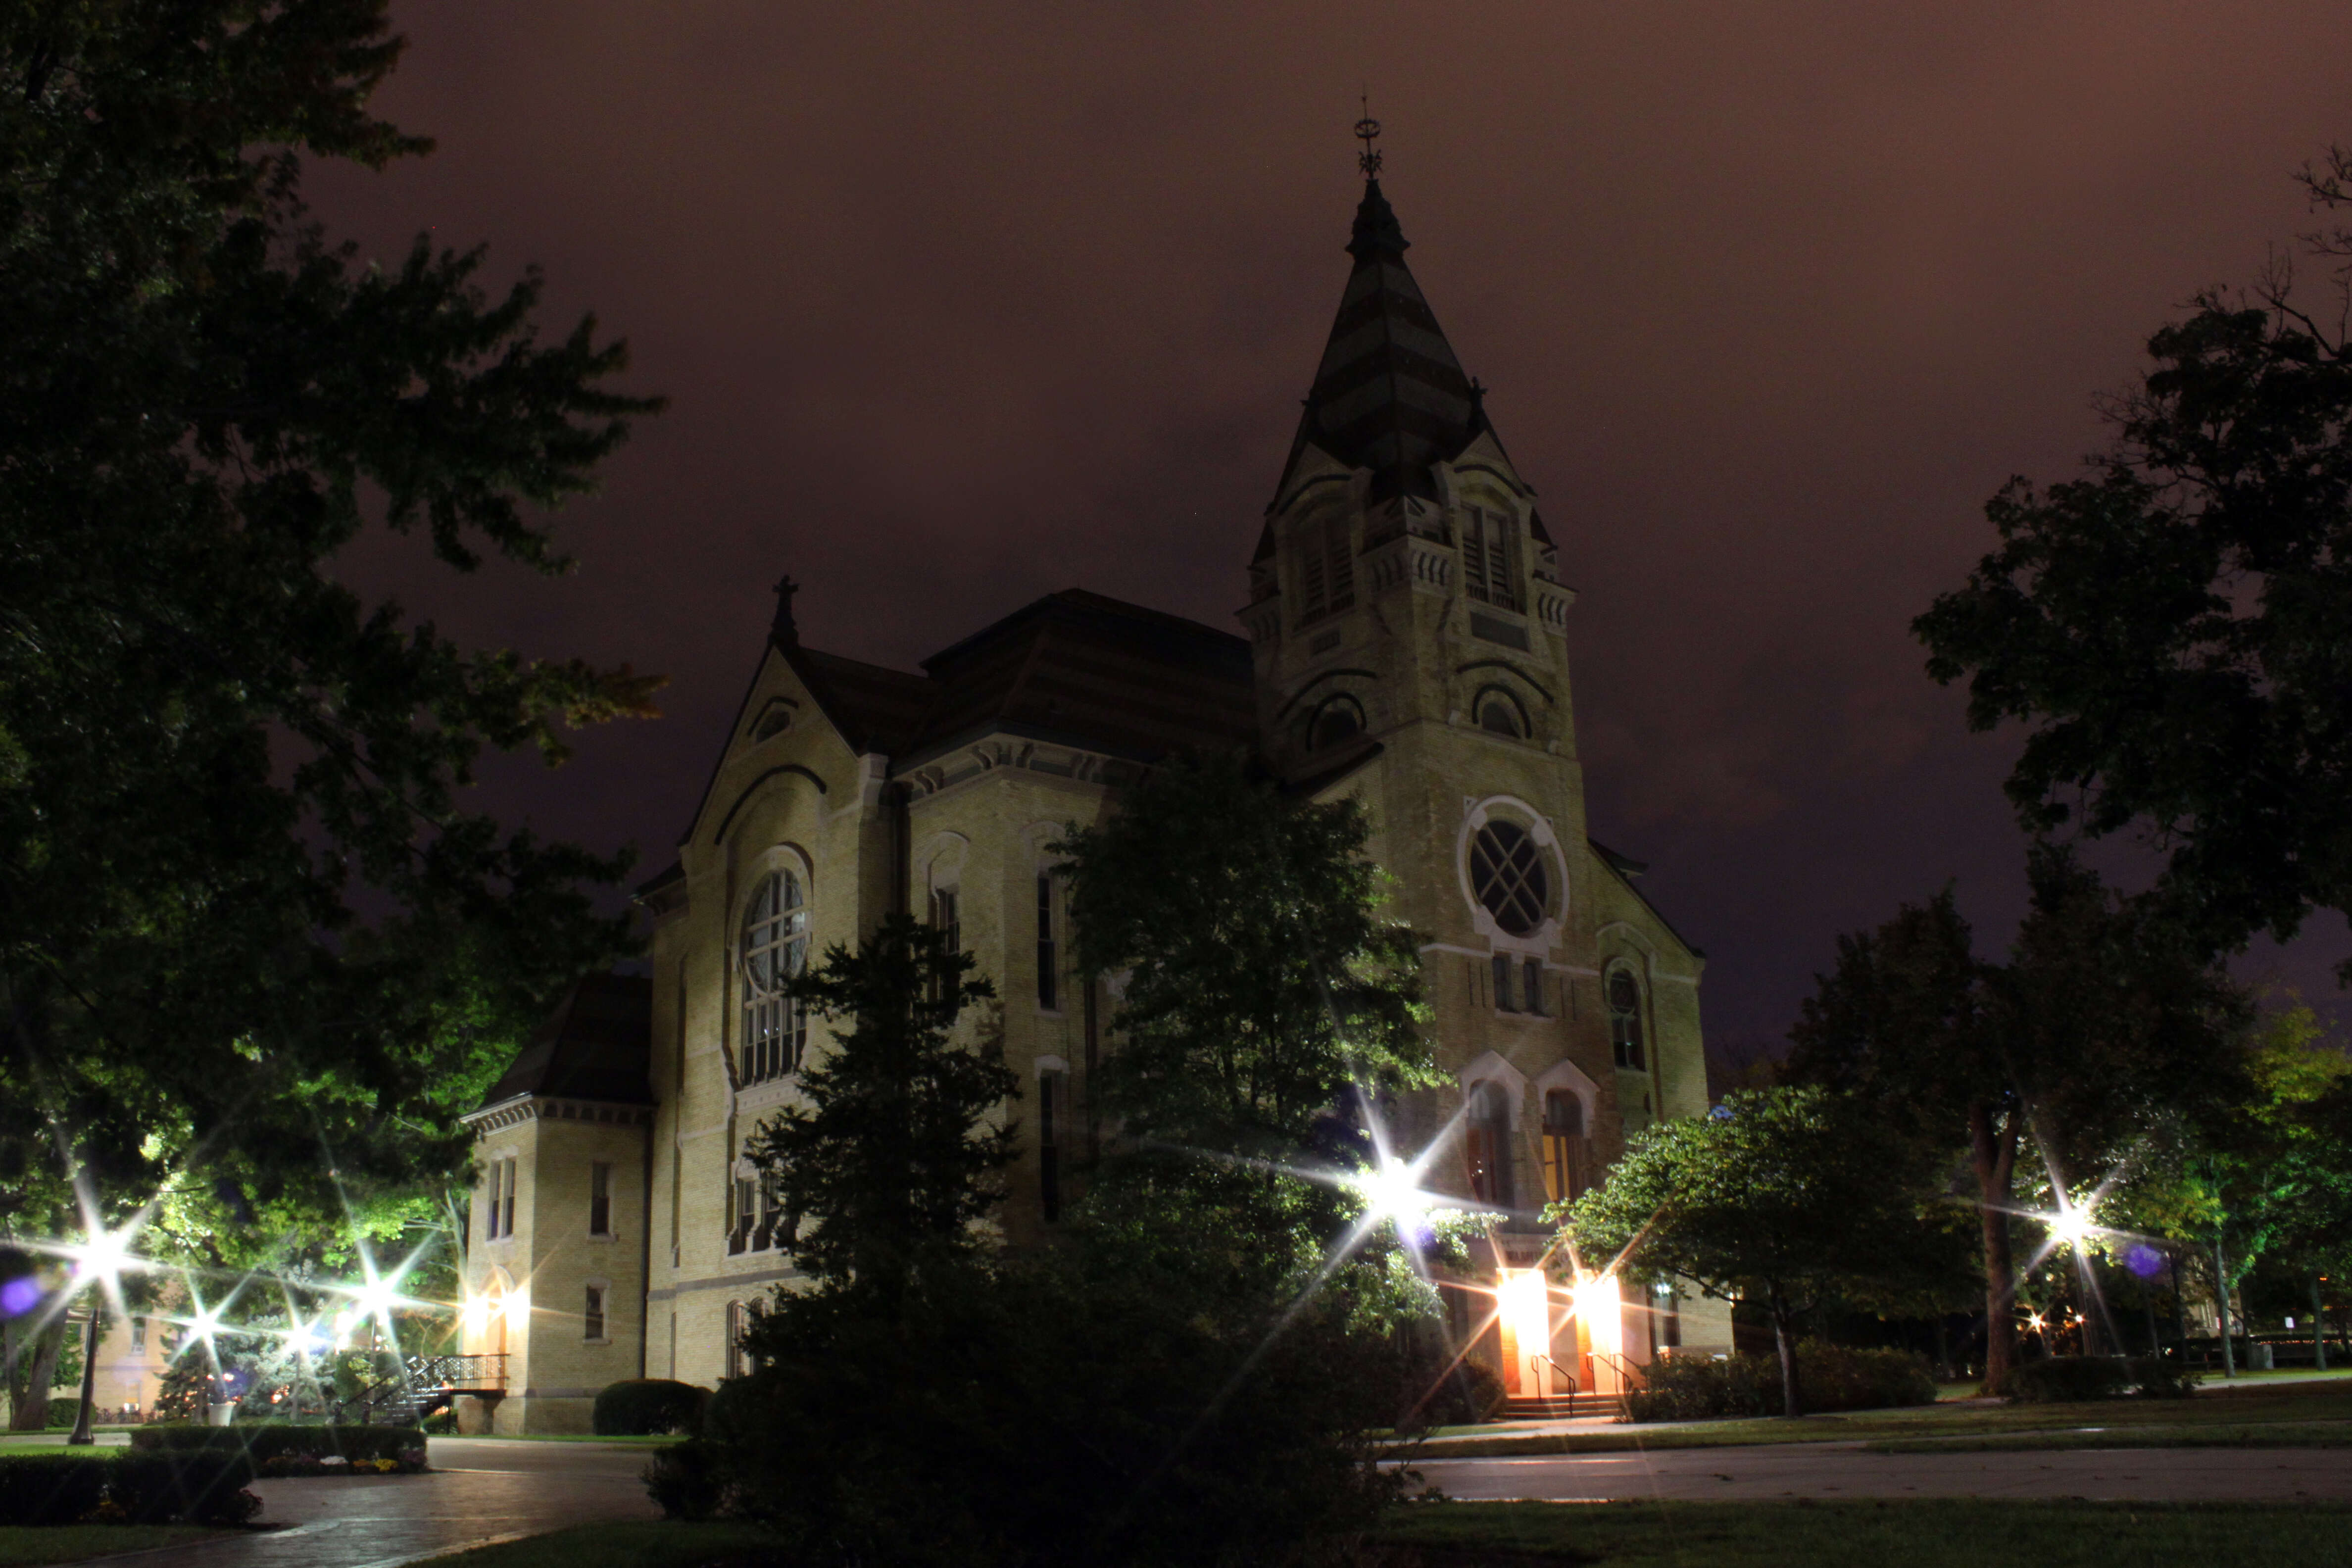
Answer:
(1404, 643)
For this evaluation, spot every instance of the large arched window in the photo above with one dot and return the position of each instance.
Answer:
(1489, 1145)
(1624, 998)
(1507, 876)
(775, 948)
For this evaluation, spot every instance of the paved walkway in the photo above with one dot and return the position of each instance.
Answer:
(480, 1490)
(1765, 1472)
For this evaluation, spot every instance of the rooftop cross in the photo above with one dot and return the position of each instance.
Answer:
(1368, 131)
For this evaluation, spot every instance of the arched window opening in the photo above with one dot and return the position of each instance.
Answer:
(1489, 1145)
(1337, 721)
(1507, 876)
(1625, 1020)
(775, 950)
(1567, 1151)
(1323, 569)
(1500, 713)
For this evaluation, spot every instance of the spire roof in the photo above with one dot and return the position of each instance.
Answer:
(1389, 395)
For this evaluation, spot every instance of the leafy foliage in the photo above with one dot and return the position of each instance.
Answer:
(2106, 1038)
(2175, 630)
(252, 944)
(892, 1158)
(1783, 1198)
(1696, 1388)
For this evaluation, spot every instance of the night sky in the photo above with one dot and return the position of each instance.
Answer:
(960, 305)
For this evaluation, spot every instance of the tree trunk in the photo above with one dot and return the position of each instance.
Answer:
(81, 1436)
(1793, 1400)
(2179, 1311)
(29, 1392)
(2318, 1327)
(1992, 1151)
(2221, 1306)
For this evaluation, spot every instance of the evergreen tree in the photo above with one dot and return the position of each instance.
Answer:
(253, 945)
(893, 1158)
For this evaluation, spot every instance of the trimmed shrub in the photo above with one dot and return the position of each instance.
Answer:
(649, 1407)
(684, 1481)
(2065, 1379)
(1466, 1394)
(51, 1487)
(137, 1488)
(1829, 1377)
(285, 1449)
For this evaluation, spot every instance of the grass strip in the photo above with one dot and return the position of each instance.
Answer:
(655, 1544)
(23, 1544)
(1926, 1533)
(2268, 1434)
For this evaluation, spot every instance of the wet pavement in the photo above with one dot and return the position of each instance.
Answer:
(480, 1490)
(1765, 1473)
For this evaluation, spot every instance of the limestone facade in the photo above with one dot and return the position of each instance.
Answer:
(1406, 646)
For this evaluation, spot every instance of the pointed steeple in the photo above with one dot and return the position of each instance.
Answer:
(1389, 395)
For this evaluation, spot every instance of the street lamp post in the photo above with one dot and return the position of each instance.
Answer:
(82, 1435)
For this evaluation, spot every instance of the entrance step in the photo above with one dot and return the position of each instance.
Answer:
(1564, 1407)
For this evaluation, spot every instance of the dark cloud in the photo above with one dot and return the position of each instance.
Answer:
(958, 305)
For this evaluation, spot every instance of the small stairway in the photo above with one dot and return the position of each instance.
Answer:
(1560, 1407)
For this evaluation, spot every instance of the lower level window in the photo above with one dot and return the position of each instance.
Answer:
(593, 1318)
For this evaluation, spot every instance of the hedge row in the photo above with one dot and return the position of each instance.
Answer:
(282, 1440)
(1829, 1377)
(649, 1407)
(126, 1486)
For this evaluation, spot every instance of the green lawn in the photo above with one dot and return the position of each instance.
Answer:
(2253, 1404)
(26, 1544)
(658, 1545)
(1956, 1534)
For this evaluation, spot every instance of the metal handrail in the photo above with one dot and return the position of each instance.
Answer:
(1573, 1383)
(1629, 1370)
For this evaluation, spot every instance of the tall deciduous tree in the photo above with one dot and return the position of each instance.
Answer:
(214, 753)
(2175, 630)
(2104, 1030)
(1781, 1197)
(894, 1156)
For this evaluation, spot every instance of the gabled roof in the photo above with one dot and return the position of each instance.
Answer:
(1388, 396)
(597, 1047)
(1095, 672)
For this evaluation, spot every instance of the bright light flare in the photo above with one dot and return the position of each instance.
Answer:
(1394, 1193)
(2070, 1226)
(1600, 1306)
(476, 1315)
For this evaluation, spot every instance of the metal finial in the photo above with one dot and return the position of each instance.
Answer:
(781, 627)
(1368, 131)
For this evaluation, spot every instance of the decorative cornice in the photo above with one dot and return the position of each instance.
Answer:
(545, 1108)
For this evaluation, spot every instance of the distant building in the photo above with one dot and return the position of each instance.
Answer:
(1406, 646)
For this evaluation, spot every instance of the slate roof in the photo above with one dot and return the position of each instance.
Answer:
(597, 1047)
(1389, 395)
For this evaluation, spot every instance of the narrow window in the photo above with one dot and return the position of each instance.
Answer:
(506, 1214)
(1502, 570)
(138, 1336)
(1052, 1111)
(1473, 554)
(736, 1323)
(945, 917)
(593, 1318)
(1311, 604)
(1045, 956)
(1489, 1146)
(1341, 562)
(1566, 1154)
(1503, 984)
(1531, 990)
(600, 1199)
(1625, 1020)
(491, 1230)
(739, 1233)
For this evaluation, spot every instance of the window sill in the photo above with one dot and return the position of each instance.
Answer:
(602, 1235)
(605, 1340)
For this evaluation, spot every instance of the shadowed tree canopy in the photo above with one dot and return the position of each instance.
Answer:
(250, 939)
(892, 1157)
(2175, 630)
(1781, 1197)
(1258, 984)
(2102, 1037)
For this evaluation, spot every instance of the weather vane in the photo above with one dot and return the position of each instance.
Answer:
(1368, 131)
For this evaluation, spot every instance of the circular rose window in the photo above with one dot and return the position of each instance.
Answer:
(1507, 874)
